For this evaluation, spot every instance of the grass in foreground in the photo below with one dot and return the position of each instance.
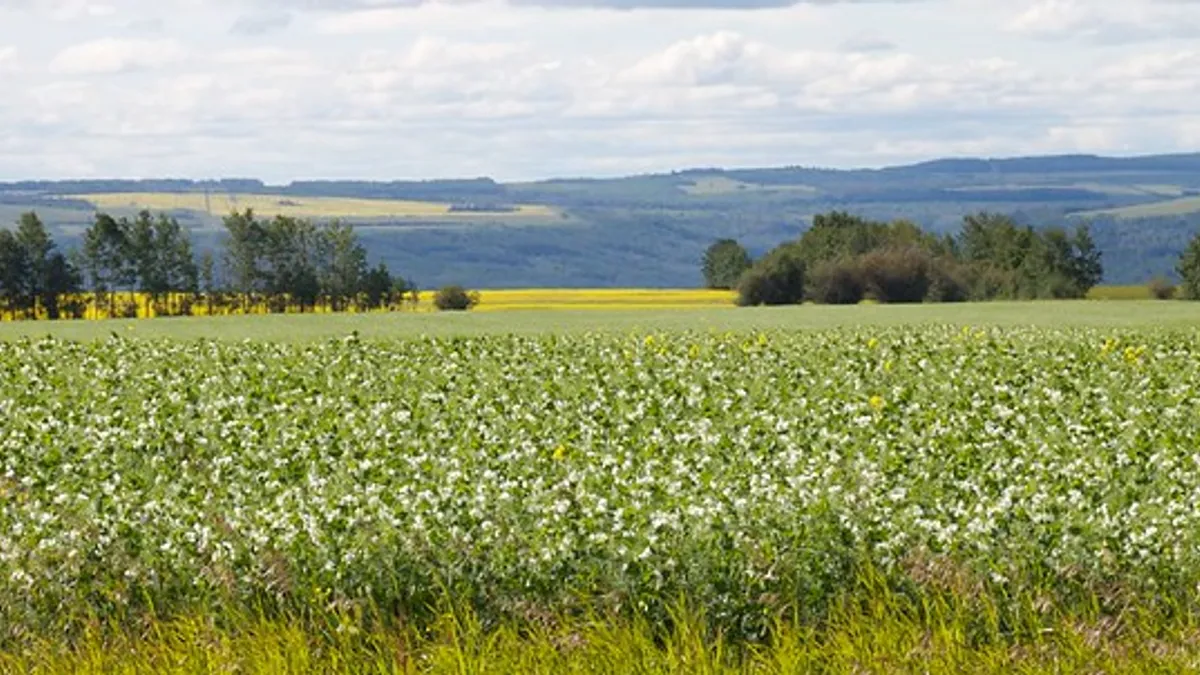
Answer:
(976, 499)
(882, 636)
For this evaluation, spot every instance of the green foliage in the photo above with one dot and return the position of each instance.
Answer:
(837, 282)
(285, 261)
(455, 298)
(1161, 289)
(32, 271)
(992, 257)
(910, 274)
(294, 260)
(1188, 269)
(839, 235)
(777, 279)
(886, 630)
(786, 479)
(14, 269)
(724, 263)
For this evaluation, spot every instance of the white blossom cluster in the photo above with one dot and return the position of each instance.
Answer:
(727, 467)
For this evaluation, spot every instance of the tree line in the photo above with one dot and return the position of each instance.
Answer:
(277, 264)
(844, 259)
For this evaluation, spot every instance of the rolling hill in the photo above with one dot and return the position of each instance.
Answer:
(650, 230)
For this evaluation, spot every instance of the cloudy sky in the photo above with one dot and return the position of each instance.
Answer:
(380, 89)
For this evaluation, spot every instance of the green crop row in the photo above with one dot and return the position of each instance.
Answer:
(1031, 474)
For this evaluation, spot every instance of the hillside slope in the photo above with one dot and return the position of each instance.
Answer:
(650, 230)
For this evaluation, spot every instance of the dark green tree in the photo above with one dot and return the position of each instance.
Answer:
(245, 250)
(344, 263)
(1188, 269)
(291, 256)
(724, 263)
(778, 278)
(378, 286)
(14, 272)
(106, 255)
(61, 279)
(33, 238)
(208, 273)
(1088, 270)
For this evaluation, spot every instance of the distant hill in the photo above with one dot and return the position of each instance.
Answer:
(650, 230)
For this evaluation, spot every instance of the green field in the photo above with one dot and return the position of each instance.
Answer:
(221, 204)
(719, 185)
(312, 328)
(1005, 487)
(1170, 207)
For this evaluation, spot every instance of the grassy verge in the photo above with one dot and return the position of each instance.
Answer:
(877, 633)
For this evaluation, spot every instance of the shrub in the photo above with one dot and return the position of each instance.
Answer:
(1161, 289)
(949, 281)
(455, 298)
(836, 282)
(897, 275)
(776, 279)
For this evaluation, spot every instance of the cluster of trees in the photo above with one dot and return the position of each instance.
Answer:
(293, 261)
(33, 272)
(844, 259)
(284, 263)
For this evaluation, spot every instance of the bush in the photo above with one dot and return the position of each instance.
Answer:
(897, 275)
(949, 281)
(1161, 289)
(776, 279)
(455, 298)
(837, 282)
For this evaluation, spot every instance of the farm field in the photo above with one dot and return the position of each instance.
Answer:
(736, 497)
(220, 204)
(985, 488)
(600, 299)
(1170, 207)
(307, 328)
(1131, 292)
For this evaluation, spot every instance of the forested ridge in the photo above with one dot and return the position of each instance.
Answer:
(650, 230)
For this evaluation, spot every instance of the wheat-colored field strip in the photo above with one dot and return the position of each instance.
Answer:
(298, 207)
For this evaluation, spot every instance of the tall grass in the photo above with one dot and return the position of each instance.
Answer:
(875, 630)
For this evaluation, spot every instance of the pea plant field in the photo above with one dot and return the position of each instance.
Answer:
(852, 499)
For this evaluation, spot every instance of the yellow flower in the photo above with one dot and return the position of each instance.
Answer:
(560, 452)
(877, 403)
(887, 366)
(872, 343)
(762, 339)
(1134, 354)
(649, 340)
(694, 352)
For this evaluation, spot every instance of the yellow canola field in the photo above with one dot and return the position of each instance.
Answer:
(140, 305)
(220, 204)
(597, 298)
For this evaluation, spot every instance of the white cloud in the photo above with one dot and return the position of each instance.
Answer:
(527, 90)
(260, 23)
(718, 58)
(111, 55)
(8, 59)
(1108, 22)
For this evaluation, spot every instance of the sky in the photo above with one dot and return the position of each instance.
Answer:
(524, 89)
